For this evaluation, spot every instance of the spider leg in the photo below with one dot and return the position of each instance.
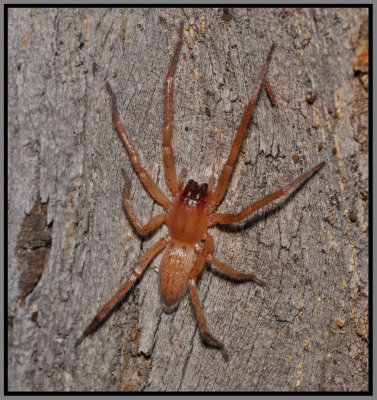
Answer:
(182, 177)
(153, 224)
(142, 264)
(194, 274)
(201, 319)
(206, 254)
(226, 173)
(219, 218)
(151, 187)
(211, 184)
(170, 171)
(232, 272)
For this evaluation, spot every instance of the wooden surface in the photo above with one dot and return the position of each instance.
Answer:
(71, 246)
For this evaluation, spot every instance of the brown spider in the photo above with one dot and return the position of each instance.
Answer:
(188, 216)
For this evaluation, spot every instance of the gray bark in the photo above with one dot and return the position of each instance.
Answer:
(71, 245)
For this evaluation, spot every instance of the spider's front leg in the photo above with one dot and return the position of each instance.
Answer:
(104, 312)
(153, 224)
(170, 171)
(155, 192)
(226, 173)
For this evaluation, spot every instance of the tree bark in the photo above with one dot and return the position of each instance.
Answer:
(71, 246)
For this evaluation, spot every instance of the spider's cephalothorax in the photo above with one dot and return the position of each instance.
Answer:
(188, 218)
(188, 246)
(194, 194)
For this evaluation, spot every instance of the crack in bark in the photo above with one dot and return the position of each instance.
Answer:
(33, 248)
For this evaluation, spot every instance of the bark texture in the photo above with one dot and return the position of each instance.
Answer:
(71, 246)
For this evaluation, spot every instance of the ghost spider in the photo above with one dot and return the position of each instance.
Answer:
(188, 245)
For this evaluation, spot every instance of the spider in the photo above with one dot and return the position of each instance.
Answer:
(188, 245)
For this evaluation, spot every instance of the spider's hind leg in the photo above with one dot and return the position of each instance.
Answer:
(202, 321)
(105, 311)
(194, 274)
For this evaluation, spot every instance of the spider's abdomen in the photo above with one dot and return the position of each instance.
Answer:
(174, 271)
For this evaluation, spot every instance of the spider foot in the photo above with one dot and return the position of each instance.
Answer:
(225, 354)
(79, 340)
(87, 331)
(215, 343)
(96, 322)
(257, 281)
